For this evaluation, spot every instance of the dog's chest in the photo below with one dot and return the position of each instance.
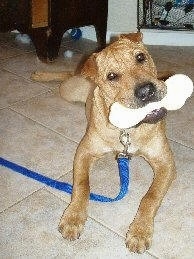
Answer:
(126, 144)
(119, 141)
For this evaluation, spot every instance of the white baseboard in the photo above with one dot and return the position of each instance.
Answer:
(88, 32)
(168, 38)
(150, 36)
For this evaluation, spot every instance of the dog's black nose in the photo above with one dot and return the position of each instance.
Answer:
(145, 92)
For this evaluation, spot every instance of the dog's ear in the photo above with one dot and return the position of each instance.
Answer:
(135, 37)
(89, 68)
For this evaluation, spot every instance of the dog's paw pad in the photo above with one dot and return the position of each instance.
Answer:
(138, 244)
(139, 239)
(70, 231)
(71, 226)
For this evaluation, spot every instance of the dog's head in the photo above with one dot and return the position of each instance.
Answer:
(125, 73)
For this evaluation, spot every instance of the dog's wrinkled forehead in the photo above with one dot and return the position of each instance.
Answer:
(120, 54)
(125, 54)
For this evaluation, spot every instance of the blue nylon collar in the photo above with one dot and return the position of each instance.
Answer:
(124, 174)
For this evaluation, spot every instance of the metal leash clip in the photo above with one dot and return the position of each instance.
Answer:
(125, 141)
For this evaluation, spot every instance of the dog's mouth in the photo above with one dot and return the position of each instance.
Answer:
(155, 115)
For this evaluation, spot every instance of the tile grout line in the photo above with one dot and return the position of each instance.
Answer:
(179, 143)
(120, 235)
(28, 79)
(44, 187)
(90, 217)
(27, 99)
(100, 223)
(19, 201)
(11, 108)
(93, 219)
(174, 141)
(14, 55)
(43, 125)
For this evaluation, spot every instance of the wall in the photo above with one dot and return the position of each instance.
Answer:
(122, 18)
(122, 15)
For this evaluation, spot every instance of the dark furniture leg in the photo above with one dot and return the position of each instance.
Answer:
(54, 42)
(45, 21)
(101, 35)
(47, 42)
(40, 41)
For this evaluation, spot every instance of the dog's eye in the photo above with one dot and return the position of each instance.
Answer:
(140, 57)
(112, 76)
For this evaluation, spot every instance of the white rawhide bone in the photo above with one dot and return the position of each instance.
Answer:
(179, 88)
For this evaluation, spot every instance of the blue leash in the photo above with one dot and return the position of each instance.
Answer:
(124, 170)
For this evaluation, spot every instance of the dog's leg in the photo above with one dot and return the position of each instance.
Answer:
(139, 236)
(74, 217)
(51, 76)
(75, 89)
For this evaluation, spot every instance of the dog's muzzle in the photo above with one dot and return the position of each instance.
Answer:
(146, 92)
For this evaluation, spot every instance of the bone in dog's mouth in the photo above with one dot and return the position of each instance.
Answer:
(155, 116)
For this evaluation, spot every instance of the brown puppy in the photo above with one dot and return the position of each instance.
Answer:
(123, 72)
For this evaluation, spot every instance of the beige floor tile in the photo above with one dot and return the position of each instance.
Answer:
(14, 89)
(29, 230)
(177, 69)
(54, 112)
(175, 59)
(14, 187)
(174, 224)
(31, 135)
(180, 124)
(104, 180)
(28, 63)
(174, 54)
(170, 225)
(7, 52)
(27, 143)
(184, 69)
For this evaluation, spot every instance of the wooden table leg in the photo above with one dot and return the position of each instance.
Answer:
(54, 42)
(47, 43)
(101, 35)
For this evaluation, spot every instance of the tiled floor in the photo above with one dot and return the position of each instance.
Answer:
(40, 131)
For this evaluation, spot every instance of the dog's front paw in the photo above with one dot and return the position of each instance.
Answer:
(71, 224)
(139, 237)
